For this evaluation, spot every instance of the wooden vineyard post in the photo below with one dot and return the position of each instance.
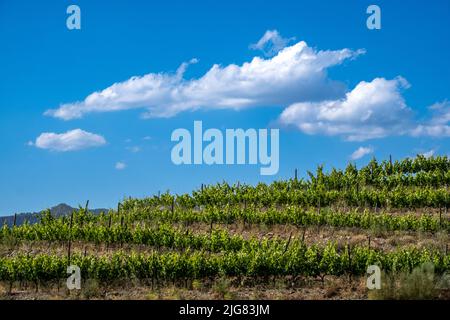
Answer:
(109, 229)
(121, 220)
(70, 238)
(349, 250)
(318, 212)
(121, 217)
(287, 244)
(303, 235)
(295, 175)
(15, 219)
(121, 227)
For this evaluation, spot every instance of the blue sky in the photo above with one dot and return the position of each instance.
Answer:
(44, 65)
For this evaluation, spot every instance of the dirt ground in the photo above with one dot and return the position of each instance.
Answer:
(224, 288)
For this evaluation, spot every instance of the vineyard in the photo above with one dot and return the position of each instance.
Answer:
(300, 238)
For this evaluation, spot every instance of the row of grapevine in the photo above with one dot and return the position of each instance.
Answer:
(157, 232)
(293, 215)
(161, 236)
(167, 236)
(296, 260)
(371, 177)
(264, 195)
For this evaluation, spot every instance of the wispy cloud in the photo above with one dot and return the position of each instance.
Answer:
(271, 43)
(361, 152)
(296, 73)
(134, 149)
(438, 125)
(120, 165)
(429, 153)
(69, 141)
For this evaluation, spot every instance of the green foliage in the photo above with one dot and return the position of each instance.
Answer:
(352, 197)
(254, 262)
(420, 284)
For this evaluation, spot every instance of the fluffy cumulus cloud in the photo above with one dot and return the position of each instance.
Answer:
(292, 76)
(361, 152)
(296, 73)
(69, 141)
(372, 109)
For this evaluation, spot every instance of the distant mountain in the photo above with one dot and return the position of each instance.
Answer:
(61, 209)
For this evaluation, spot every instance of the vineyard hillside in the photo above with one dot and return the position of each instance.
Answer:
(300, 238)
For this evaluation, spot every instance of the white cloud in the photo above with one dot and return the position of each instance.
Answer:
(146, 138)
(361, 152)
(271, 43)
(120, 165)
(297, 73)
(438, 125)
(371, 110)
(431, 130)
(70, 141)
(429, 153)
(295, 78)
(441, 112)
(134, 149)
